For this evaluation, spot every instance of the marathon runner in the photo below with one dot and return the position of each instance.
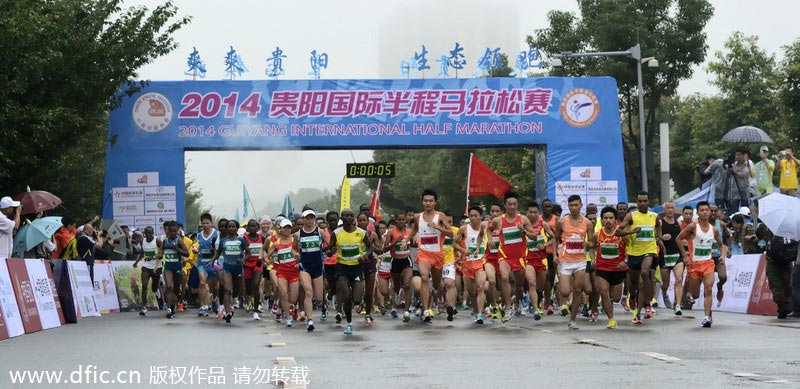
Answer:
(171, 251)
(699, 262)
(449, 269)
(151, 269)
(610, 263)
(727, 239)
(310, 241)
(284, 258)
(432, 227)
(641, 253)
(550, 219)
(332, 219)
(401, 271)
(370, 265)
(473, 269)
(209, 284)
(536, 259)
(491, 262)
(575, 233)
(253, 266)
(232, 250)
(670, 257)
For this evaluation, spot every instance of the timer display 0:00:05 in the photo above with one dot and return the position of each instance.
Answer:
(370, 170)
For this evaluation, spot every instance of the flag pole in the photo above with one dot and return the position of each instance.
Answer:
(469, 175)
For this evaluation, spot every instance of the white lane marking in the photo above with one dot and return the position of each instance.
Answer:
(746, 375)
(277, 344)
(284, 361)
(659, 356)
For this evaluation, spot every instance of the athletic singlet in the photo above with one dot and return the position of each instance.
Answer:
(332, 259)
(447, 247)
(310, 246)
(671, 253)
(150, 250)
(702, 243)
(253, 250)
(553, 221)
(385, 259)
(350, 246)
(611, 251)
(492, 254)
(430, 240)
(513, 242)
(643, 242)
(472, 244)
(573, 239)
(283, 253)
(541, 238)
(396, 250)
(232, 250)
(204, 246)
(170, 247)
(715, 252)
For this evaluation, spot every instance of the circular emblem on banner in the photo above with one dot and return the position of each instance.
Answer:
(580, 107)
(152, 112)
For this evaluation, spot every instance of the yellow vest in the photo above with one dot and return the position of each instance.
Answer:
(349, 246)
(447, 247)
(643, 242)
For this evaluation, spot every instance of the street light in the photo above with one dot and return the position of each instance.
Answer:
(634, 52)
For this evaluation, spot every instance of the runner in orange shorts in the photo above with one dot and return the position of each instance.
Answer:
(474, 275)
(535, 260)
(432, 227)
(491, 263)
(699, 262)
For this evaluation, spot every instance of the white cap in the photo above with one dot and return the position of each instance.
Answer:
(744, 211)
(285, 222)
(309, 212)
(6, 202)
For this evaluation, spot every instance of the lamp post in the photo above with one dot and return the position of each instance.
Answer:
(634, 52)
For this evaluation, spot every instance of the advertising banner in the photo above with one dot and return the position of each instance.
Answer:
(129, 288)
(26, 297)
(43, 286)
(8, 304)
(82, 289)
(105, 291)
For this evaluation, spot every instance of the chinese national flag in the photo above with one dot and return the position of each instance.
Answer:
(484, 181)
(375, 204)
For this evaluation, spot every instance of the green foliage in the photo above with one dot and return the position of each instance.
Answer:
(65, 65)
(193, 201)
(789, 93)
(670, 30)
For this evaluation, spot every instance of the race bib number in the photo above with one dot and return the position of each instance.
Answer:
(702, 252)
(350, 251)
(609, 250)
(671, 259)
(310, 244)
(574, 245)
(512, 235)
(645, 234)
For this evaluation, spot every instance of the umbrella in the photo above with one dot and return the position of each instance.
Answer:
(37, 201)
(747, 134)
(781, 213)
(36, 232)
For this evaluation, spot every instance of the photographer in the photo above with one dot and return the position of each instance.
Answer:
(737, 193)
(87, 243)
(716, 169)
(789, 166)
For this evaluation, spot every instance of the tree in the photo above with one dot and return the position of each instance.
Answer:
(67, 64)
(790, 93)
(670, 30)
(193, 202)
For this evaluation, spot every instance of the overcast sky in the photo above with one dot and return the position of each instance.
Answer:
(367, 39)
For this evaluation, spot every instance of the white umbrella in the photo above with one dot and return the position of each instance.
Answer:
(781, 213)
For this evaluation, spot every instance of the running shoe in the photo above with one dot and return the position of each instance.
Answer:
(689, 300)
(143, 312)
(720, 295)
(625, 306)
(637, 320)
(464, 306)
(381, 310)
(593, 317)
(310, 326)
(180, 307)
(338, 317)
(220, 315)
(706, 323)
(426, 317)
(654, 303)
(550, 309)
(348, 329)
(495, 313)
(169, 313)
(667, 301)
(324, 314)
(302, 317)
(678, 311)
(648, 312)
(357, 308)
(228, 317)
(278, 318)
(363, 312)
(201, 312)
(289, 322)
(572, 325)
(503, 317)
(418, 312)
(612, 323)
(377, 309)
(441, 308)
(394, 313)
(487, 311)
(564, 310)
(537, 315)
(479, 319)
(292, 312)
(531, 308)
(406, 316)
(256, 317)
(248, 307)
(450, 312)
(368, 320)
(517, 310)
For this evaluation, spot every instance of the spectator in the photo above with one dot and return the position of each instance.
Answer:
(738, 194)
(745, 240)
(63, 236)
(789, 166)
(716, 169)
(9, 223)
(105, 252)
(762, 171)
(87, 243)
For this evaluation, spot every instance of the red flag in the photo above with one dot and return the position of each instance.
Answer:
(375, 204)
(484, 181)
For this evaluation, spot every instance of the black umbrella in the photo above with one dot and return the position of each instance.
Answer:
(747, 134)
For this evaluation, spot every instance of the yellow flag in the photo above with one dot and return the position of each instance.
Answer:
(345, 197)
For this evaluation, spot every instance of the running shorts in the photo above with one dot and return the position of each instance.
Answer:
(516, 264)
(471, 268)
(635, 261)
(175, 267)
(449, 271)
(352, 272)
(315, 268)
(234, 270)
(612, 277)
(570, 268)
(400, 264)
(538, 264)
(494, 263)
(698, 270)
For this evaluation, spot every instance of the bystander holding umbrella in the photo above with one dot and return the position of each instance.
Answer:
(781, 213)
(34, 233)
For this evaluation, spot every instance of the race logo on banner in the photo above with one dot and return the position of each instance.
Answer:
(82, 289)
(8, 303)
(26, 297)
(43, 293)
(105, 290)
